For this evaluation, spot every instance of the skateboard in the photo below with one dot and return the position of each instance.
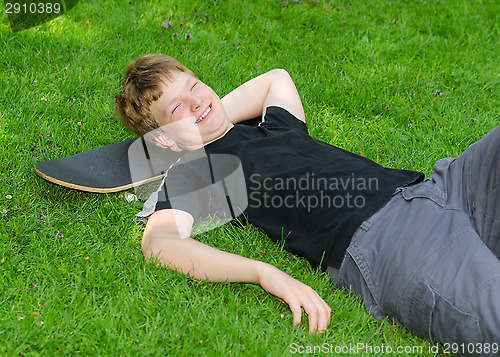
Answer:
(113, 168)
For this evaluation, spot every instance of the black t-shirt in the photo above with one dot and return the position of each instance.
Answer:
(309, 193)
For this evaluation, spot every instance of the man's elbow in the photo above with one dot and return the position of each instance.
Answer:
(154, 239)
(163, 227)
(280, 73)
(156, 244)
(146, 245)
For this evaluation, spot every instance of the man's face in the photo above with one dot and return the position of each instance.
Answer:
(190, 112)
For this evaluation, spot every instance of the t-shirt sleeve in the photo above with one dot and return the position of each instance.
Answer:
(276, 118)
(208, 187)
(180, 189)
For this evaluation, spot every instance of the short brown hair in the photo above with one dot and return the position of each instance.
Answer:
(141, 87)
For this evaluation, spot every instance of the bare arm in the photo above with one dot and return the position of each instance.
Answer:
(275, 87)
(167, 237)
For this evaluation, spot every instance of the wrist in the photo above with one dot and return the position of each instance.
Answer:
(262, 270)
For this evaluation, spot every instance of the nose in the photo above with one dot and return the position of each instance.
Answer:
(195, 102)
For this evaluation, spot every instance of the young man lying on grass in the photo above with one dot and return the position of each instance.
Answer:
(423, 252)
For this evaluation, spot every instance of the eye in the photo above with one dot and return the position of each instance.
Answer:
(177, 106)
(194, 85)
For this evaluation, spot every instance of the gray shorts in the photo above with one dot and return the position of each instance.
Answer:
(429, 258)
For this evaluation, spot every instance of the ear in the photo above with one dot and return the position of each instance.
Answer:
(166, 143)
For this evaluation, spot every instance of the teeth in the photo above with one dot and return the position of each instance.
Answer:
(204, 115)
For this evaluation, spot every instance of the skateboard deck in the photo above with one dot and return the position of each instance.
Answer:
(111, 168)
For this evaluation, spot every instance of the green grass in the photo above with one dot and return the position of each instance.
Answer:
(367, 71)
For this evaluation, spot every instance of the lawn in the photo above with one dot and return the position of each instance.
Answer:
(401, 82)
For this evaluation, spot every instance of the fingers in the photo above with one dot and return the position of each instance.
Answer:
(318, 313)
(297, 313)
(176, 148)
(323, 315)
(166, 143)
(298, 296)
(161, 141)
(316, 309)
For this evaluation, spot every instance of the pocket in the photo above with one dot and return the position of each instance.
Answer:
(433, 317)
(426, 189)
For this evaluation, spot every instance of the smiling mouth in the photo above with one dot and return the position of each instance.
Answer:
(205, 113)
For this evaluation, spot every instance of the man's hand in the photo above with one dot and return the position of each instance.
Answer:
(166, 143)
(298, 296)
